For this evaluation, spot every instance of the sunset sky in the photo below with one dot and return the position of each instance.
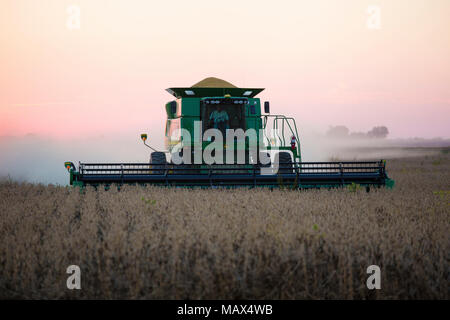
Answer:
(318, 60)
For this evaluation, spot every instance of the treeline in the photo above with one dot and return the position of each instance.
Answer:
(379, 132)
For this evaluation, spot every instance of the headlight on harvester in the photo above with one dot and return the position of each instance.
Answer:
(69, 165)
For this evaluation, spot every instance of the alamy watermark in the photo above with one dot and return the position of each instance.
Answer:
(74, 280)
(374, 17)
(73, 21)
(374, 280)
(250, 144)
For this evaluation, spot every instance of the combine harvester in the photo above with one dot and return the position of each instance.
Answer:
(278, 162)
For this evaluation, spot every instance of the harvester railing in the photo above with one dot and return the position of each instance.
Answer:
(280, 137)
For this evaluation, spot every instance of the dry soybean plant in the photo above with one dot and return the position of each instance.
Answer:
(158, 243)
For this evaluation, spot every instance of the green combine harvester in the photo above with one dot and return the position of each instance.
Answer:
(197, 157)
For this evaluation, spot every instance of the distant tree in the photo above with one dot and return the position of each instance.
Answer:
(380, 132)
(338, 132)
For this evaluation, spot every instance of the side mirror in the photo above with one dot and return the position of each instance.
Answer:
(266, 107)
(144, 137)
(173, 107)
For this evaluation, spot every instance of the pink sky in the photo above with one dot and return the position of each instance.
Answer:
(317, 60)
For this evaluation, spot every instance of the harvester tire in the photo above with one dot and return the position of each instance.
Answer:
(263, 165)
(284, 158)
(158, 161)
(264, 154)
(179, 167)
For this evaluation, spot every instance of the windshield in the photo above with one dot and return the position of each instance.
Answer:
(226, 114)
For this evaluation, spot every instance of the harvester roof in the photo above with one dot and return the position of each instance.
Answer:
(213, 87)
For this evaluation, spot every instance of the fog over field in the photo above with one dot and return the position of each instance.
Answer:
(37, 159)
(41, 160)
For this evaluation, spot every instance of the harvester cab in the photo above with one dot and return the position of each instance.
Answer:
(217, 134)
(217, 104)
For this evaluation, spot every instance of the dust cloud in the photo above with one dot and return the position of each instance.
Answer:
(37, 159)
(41, 160)
(316, 147)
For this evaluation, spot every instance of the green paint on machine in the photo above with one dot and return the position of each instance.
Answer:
(194, 105)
